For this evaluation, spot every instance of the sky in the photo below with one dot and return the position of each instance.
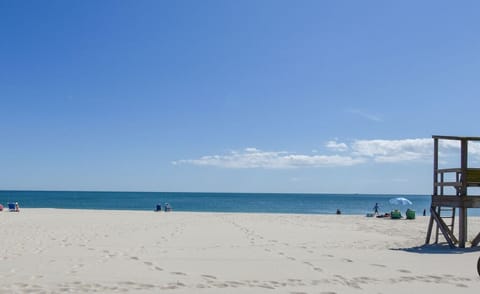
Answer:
(234, 96)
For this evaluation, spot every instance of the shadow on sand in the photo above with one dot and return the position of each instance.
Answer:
(441, 248)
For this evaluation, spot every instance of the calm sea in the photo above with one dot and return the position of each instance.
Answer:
(216, 202)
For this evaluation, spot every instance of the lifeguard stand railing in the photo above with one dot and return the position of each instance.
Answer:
(451, 192)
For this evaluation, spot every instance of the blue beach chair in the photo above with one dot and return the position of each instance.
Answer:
(13, 207)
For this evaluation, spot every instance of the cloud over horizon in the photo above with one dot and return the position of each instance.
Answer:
(345, 154)
(255, 158)
(394, 150)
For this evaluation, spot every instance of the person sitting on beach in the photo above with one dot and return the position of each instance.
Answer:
(167, 207)
(338, 211)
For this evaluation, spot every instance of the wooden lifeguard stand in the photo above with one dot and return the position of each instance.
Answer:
(451, 192)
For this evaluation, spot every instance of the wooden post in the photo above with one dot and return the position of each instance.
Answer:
(435, 189)
(430, 226)
(462, 222)
(435, 166)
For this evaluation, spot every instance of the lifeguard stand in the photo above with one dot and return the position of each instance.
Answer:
(451, 192)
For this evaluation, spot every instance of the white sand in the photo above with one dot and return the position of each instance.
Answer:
(51, 250)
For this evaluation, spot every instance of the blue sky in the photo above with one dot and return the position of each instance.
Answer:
(234, 96)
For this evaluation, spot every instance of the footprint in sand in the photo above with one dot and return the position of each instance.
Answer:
(404, 271)
(178, 273)
(75, 268)
(313, 267)
(267, 287)
(209, 277)
(378, 265)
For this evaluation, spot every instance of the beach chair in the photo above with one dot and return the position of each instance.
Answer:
(13, 207)
(395, 214)
(410, 214)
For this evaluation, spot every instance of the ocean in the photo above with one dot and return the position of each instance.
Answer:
(356, 204)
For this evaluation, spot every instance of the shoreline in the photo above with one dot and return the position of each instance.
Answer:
(55, 250)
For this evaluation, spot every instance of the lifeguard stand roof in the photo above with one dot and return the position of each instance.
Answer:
(456, 138)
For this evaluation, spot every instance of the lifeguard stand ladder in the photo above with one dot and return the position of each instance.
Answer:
(460, 179)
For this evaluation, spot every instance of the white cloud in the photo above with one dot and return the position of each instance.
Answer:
(255, 158)
(334, 145)
(394, 150)
(353, 153)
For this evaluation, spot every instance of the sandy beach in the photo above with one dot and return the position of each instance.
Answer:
(56, 250)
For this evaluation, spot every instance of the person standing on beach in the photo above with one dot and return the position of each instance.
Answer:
(375, 208)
